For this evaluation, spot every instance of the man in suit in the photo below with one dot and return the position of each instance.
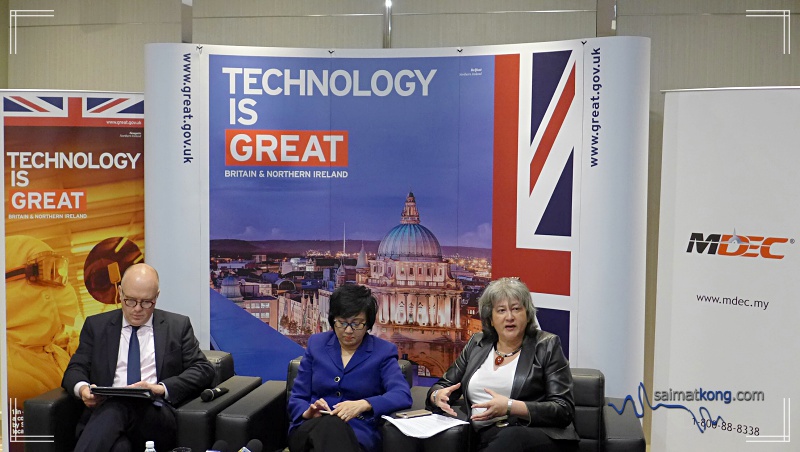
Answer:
(170, 364)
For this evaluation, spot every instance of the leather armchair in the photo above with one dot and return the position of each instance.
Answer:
(262, 415)
(600, 427)
(55, 414)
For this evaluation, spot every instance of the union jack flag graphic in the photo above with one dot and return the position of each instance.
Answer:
(538, 127)
(114, 110)
(537, 134)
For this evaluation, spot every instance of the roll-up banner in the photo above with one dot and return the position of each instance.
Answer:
(727, 273)
(276, 175)
(74, 221)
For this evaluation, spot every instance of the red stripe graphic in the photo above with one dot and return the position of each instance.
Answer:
(544, 271)
(553, 127)
(109, 105)
(28, 103)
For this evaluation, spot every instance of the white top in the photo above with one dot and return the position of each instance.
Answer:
(499, 381)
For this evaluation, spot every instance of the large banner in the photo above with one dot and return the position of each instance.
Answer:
(276, 175)
(74, 221)
(727, 274)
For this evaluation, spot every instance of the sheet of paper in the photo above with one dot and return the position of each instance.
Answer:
(424, 426)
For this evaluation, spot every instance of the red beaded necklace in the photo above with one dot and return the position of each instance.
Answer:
(502, 356)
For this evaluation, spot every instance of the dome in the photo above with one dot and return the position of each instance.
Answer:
(409, 240)
(230, 289)
(230, 281)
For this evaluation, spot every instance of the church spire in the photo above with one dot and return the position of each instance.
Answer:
(362, 258)
(410, 212)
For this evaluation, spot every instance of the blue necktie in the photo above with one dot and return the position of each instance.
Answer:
(134, 363)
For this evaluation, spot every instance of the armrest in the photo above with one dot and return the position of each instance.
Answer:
(623, 431)
(455, 439)
(223, 365)
(196, 418)
(259, 415)
(418, 394)
(55, 414)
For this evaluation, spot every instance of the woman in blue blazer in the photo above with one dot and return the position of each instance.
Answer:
(346, 381)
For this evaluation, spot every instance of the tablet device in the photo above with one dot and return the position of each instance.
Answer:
(141, 393)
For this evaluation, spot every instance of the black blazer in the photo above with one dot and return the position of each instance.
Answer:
(542, 380)
(180, 364)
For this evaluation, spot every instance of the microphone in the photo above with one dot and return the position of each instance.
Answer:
(211, 394)
(220, 446)
(253, 445)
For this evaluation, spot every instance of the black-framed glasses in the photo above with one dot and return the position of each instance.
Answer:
(342, 325)
(145, 304)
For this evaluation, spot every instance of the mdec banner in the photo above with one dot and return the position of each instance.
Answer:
(504, 161)
(727, 273)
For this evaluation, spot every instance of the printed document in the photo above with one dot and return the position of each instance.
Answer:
(424, 426)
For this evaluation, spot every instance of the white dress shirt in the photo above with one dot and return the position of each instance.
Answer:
(147, 353)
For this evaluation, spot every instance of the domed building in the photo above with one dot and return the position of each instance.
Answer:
(232, 289)
(419, 307)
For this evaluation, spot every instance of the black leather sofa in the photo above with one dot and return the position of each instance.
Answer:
(600, 427)
(55, 413)
(262, 415)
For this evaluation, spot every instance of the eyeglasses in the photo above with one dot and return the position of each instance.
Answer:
(342, 325)
(145, 304)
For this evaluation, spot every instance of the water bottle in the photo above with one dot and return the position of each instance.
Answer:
(149, 446)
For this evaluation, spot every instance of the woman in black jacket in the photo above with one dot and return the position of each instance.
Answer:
(514, 376)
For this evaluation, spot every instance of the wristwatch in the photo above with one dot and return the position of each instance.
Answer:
(508, 411)
(434, 396)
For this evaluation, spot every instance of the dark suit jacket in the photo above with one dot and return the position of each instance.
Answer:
(542, 380)
(371, 374)
(180, 364)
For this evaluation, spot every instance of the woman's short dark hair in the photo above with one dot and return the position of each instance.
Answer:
(505, 289)
(351, 300)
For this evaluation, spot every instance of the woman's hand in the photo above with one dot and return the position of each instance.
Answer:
(350, 409)
(496, 407)
(315, 408)
(442, 399)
